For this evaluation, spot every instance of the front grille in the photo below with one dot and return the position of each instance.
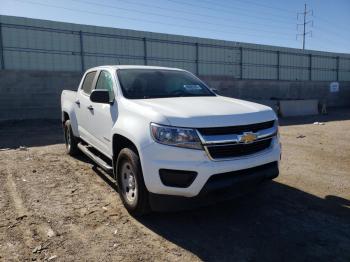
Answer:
(235, 129)
(273, 166)
(237, 150)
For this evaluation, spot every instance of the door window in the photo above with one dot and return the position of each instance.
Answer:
(105, 82)
(87, 84)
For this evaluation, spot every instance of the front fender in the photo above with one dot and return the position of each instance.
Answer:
(134, 129)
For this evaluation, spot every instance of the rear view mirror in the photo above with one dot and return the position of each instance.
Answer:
(100, 96)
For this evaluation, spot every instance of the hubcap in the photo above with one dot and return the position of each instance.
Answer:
(129, 183)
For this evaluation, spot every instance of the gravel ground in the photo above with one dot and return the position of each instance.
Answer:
(58, 208)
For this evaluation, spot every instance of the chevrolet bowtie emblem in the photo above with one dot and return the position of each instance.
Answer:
(248, 137)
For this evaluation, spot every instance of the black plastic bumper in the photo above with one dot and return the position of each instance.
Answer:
(219, 187)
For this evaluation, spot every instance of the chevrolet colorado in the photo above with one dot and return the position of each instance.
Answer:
(166, 137)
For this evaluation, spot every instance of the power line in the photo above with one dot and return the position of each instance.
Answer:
(138, 19)
(235, 7)
(217, 17)
(266, 6)
(204, 29)
(328, 22)
(305, 22)
(175, 17)
(327, 40)
(224, 10)
(182, 11)
(256, 4)
(335, 34)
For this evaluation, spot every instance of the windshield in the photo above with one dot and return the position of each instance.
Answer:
(158, 83)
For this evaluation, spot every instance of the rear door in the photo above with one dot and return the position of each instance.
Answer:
(83, 107)
(105, 115)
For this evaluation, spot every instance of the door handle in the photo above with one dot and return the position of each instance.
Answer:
(90, 107)
(77, 102)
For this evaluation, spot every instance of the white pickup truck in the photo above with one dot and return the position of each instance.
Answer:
(166, 138)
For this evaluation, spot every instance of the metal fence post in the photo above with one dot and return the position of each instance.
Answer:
(241, 62)
(197, 59)
(145, 50)
(2, 59)
(82, 51)
(310, 67)
(337, 68)
(278, 65)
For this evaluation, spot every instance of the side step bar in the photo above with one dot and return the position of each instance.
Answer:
(95, 158)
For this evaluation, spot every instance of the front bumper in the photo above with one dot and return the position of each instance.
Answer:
(219, 187)
(156, 156)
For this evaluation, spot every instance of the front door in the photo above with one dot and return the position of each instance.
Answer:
(105, 115)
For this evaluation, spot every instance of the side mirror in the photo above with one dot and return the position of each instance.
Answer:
(100, 96)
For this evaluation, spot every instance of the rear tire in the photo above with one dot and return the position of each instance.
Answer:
(132, 189)
(70, 140)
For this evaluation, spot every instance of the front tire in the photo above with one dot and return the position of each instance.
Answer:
(132, 189)
(70, 140)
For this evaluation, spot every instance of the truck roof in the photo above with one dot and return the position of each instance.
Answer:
(115, 67)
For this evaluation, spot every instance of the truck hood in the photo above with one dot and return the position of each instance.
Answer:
(207, 111)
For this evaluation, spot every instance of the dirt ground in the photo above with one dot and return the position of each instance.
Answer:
(58, 208)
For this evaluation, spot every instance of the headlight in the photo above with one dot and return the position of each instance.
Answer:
(175, 136)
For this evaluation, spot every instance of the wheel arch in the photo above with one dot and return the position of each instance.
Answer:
(66, 115)
(119, 142)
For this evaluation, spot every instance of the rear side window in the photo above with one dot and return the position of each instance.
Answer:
(87, 84)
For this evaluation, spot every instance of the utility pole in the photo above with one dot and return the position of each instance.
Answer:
(305, 23)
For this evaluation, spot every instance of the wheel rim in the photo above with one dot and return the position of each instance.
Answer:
(68, 138)
(129, 183)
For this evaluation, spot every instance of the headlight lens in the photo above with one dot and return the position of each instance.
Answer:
(175, 136)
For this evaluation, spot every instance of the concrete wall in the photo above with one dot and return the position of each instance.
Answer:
(264, 91)
(33, 95)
